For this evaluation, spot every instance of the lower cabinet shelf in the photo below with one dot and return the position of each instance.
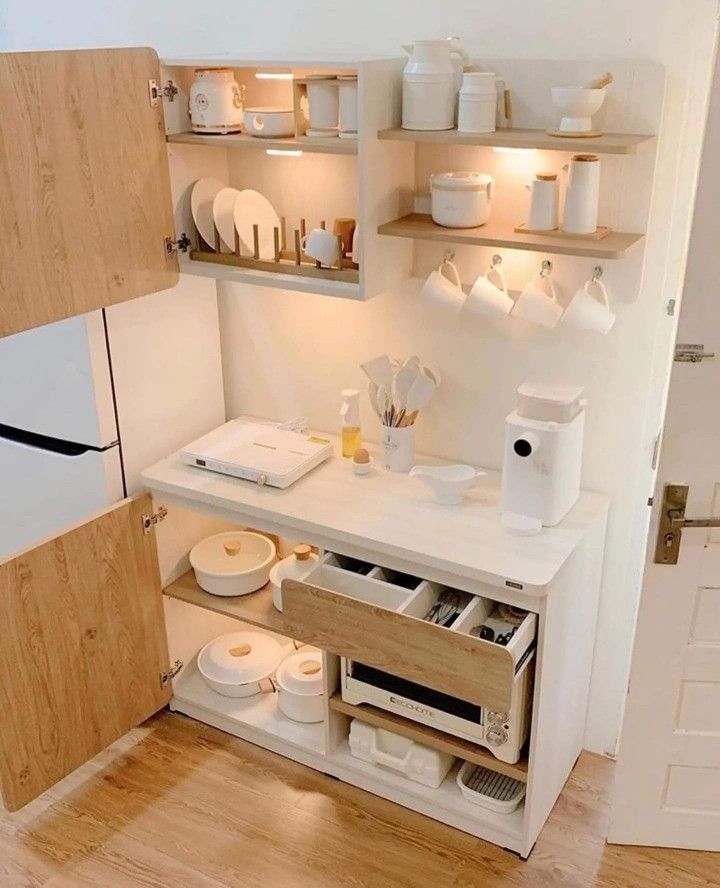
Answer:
(456, 746)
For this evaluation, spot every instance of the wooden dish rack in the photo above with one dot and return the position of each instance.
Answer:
(285, 261)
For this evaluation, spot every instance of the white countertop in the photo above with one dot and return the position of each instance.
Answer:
(392, 514)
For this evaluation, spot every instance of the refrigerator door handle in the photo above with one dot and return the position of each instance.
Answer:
(47, 443)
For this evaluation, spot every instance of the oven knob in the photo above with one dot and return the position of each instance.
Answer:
(497, 718)
(496, 735)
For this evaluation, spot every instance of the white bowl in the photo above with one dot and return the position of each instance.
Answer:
(577, 106)
(233, 563)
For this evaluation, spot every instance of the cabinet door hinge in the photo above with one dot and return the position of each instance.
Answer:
(150, 520)
(183, 243)
(156, 92)
(167, 677)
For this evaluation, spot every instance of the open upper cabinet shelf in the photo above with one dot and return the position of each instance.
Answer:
(240, 140)
(609, 143)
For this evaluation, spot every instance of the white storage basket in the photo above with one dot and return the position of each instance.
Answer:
(489, 789)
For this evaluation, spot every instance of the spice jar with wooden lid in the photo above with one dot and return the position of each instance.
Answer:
(544, 200)
(295, 567)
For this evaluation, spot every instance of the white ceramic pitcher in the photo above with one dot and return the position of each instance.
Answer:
(431, 81)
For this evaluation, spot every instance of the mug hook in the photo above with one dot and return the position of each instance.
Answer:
(597, 273)
(545, 268)
(449, 255)
(496, 260)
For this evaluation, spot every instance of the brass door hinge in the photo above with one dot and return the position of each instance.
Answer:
(149, 520)
(156, 92)
(167, 677)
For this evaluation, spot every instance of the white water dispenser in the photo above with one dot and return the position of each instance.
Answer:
(543, 457)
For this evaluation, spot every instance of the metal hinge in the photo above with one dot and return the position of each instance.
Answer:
(156, 92)
(670, 307)
(656, 452)
(149, 521)
(167, 677)
(183, 243)
(693, 353)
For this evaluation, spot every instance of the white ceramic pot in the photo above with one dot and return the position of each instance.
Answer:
(430, 84)
(323, 105)
(461, 200)
(296, 567)
(580, 214)
(216, 101)
(477, 104)
(300, 686)
(236, 664)
(348, 93)
(233, 563)
(269, 123)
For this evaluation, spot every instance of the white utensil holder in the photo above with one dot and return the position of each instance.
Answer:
(398, 448)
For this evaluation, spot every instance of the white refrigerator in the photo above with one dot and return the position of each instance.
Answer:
(60, 459)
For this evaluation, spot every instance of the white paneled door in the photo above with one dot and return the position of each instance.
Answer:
(668, 776)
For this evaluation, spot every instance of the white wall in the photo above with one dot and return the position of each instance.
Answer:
(478, 363)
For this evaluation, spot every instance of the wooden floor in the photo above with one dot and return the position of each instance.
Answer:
(179, 804)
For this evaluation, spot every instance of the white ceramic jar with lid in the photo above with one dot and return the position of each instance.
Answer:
(236, 664)
(430, 84)
(216, 101)
(348, 96)
(477, 103)
(295, 567)
(233, 563)
(580, 215)
(544, 202)
(462, 199)
(300, 686)
(323, 105)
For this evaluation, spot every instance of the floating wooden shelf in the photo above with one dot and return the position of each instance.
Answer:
(422, 227)
(463, 749)
(610, 143)
(240, 140)
(257, 608)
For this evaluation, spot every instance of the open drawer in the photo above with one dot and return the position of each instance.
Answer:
(375, 616)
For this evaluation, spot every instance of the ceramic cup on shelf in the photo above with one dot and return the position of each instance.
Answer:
(585, 312)
(443, 287)
(322, 246)
(345, 228)
(398, 448)
(538, 302)
(489, 294)
(323, 105)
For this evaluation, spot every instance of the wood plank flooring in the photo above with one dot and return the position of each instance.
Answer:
(176, 803)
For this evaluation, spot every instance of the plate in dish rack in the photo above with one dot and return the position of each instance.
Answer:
(253, 208)
(201, 203)
(223, 207)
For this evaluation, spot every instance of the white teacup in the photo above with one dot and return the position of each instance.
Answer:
(490, 299)
(443, 287)
(538, 302)
(322, 246)
(585, 312)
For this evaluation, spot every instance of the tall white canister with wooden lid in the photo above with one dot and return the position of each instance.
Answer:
(477, 103)
(544, 201)
(582, 197)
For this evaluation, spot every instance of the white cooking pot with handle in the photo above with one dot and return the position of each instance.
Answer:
(237, 664)
(461, 200)
(300, 686)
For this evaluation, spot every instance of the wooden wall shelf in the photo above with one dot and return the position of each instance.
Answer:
(609, 143)
(422, 227)
(241, 140)
(456, 746)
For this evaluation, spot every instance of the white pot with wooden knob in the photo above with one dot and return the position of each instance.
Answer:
(299, 682)
(233, 563)
(295, 567)
(240, 664)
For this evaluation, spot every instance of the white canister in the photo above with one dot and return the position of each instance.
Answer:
(216, 101)
(300, 686)
(348, 98)
(295, 567)
(478, 103)
(544, 198)
(461, 200)
(583, 195)
(398, 448)
(323, 105)
(430, 85)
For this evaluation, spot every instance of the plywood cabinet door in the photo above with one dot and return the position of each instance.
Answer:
(82, 648)
(85, 202)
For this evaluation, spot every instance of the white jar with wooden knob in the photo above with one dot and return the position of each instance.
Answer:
(544, 201)
(296, 567)
(216, 101)
(233, 563)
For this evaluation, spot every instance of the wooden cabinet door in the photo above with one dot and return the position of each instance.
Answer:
(83, 648)
(85, 202)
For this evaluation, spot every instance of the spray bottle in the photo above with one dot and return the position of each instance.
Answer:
(350, 412)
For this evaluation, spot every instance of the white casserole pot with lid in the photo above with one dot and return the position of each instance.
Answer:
(462, 199)
(233, 563)
(300, 686)
(235, 664)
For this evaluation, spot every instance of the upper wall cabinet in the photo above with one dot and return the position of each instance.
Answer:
(85, 207)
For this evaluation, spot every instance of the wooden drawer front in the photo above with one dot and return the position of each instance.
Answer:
(446, 660)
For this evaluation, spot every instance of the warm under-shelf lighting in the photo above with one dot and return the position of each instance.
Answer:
(503, 149)
(283, 152)
(273, 75)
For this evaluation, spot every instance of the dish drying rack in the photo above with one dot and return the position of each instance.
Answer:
(285, 261)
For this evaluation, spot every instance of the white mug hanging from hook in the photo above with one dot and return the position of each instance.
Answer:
(489, 294)
(443, 285)
(538, 301)
(586, 312)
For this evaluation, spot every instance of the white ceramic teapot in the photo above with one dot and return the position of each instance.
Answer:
(431, 81)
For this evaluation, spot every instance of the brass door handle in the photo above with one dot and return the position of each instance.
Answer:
(673, 522)
(678, 519)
